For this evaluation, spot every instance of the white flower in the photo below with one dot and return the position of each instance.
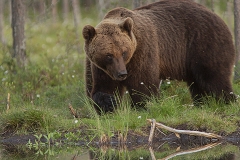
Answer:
(73, 76)
(231, 92)
(38, 95)
(168, 82)
(141, 83)
(139, 117)
(4, 79)
(140, 157)
(6, 72)
(63, 73)
(126, 92)
(76, 121)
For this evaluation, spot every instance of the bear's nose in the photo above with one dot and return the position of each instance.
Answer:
(122, 75)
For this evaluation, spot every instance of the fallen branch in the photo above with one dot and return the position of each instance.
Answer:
(152, 153)
(153, 126)
(188, 132)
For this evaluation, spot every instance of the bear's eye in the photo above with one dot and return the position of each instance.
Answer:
(109, 57)
(124, 54)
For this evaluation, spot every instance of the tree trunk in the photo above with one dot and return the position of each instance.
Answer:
(203, 2)
(136, 3)
(102, 7)
(87, 3)
(237, 36)
(1, 22)
(212, 5)
(19, 47)
(76, 11)
(76, 15)
(54, 11)
(39, 8)
(229, 15)
(65, 9)
(10, 11)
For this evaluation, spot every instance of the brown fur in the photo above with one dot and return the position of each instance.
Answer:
(176, 39)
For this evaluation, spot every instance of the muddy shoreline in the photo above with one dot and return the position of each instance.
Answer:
(133, 139)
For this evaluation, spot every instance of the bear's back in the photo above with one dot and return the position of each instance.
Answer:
(179, 33)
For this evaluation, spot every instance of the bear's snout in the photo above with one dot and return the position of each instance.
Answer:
(122, 75)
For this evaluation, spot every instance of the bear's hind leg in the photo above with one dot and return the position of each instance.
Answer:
(218, 88)
(196, 93)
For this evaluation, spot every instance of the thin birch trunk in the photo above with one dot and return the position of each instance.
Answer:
(237, 36)
(19, 47)
(76, 15)
(2, 22)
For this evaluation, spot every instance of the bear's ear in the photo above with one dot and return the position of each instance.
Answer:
(127, 25)
(88, 32)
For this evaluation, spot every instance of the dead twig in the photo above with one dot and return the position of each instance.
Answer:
(73, 112)
(188, 132)
(8, 102)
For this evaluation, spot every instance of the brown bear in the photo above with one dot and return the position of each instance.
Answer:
(134, 50)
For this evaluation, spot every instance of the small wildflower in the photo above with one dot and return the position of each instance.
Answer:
(139, 117)
(76, 121)
(63, 73)
(141, 83)
(4, 79)
(140, 157)
(126, 92)
(231, 92)
(6, 72)
(73, 76)
(38, 95)
(168, 82)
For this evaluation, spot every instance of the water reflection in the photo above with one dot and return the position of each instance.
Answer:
(165, 151)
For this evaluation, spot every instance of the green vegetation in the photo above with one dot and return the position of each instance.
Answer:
(41, 92)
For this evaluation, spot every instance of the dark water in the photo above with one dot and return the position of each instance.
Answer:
(217, 152)
(190, 149)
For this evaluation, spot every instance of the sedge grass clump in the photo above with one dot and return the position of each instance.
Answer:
(26, 120)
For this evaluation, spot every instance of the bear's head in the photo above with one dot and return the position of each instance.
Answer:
(110, 46)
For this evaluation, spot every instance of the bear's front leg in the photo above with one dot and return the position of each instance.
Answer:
(104, 102)
(103, 91)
